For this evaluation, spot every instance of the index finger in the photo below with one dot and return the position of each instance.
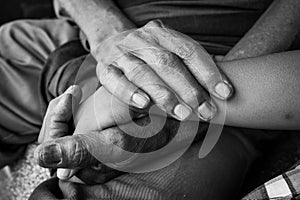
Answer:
(59, 113)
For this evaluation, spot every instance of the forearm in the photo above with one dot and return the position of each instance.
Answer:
(267, 92)
(275, 31)
(98, 19)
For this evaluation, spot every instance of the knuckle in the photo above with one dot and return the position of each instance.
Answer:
(196, 93)
(186, 50)
(79, 153)
(167, 59)
(164, 97)
(137, 72)
(107, 75)
(167, 98)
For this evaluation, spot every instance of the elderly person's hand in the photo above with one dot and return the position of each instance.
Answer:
(58, 123)
(99, 139)
(157, 64)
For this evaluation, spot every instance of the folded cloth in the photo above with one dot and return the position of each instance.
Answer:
(60, 71)
(24, 49)
(285, 187)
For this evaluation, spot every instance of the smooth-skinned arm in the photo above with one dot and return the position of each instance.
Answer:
(266, 97)
(267, 92)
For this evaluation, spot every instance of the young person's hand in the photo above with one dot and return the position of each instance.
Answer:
(157, 64)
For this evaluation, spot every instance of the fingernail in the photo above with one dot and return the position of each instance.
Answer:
(51, 155)
(182, 112)
(63, 174)
(207, 111)
(223, 90)
(139, 100)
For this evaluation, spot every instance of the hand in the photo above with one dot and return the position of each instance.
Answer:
(89, 144)
(162, 65)
(59, 114)
(57, 124)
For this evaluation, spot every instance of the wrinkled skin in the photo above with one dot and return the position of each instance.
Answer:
(155, 63)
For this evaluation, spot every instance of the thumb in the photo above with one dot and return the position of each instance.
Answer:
(67, 152)
(112, 145)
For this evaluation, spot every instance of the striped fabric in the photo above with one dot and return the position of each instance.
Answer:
(284, 187)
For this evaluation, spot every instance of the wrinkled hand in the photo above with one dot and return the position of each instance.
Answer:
(57, 124)
(157, 64)
(59, 114)
(91, 143)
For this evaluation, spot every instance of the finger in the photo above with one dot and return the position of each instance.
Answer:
(59, 113)
(194, 56)
(161, 94)
(114, 81)
(65, 174)
(140, 74)
(172, 71)
(96, 174)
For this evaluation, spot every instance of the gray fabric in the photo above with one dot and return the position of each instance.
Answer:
(24, 49)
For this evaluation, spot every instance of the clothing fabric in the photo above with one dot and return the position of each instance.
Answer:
(285, 187)
(218, 176)
(200, 19)
(24, 50)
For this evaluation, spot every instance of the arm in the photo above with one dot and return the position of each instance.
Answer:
(275, 31)
(101, 19)
(267, 92)
(267, 96)
(261, 101)
(98, 19)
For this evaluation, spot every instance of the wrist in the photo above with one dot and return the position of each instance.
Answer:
(98, 19)
(115, 24)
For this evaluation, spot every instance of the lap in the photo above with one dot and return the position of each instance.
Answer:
(217, 176)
